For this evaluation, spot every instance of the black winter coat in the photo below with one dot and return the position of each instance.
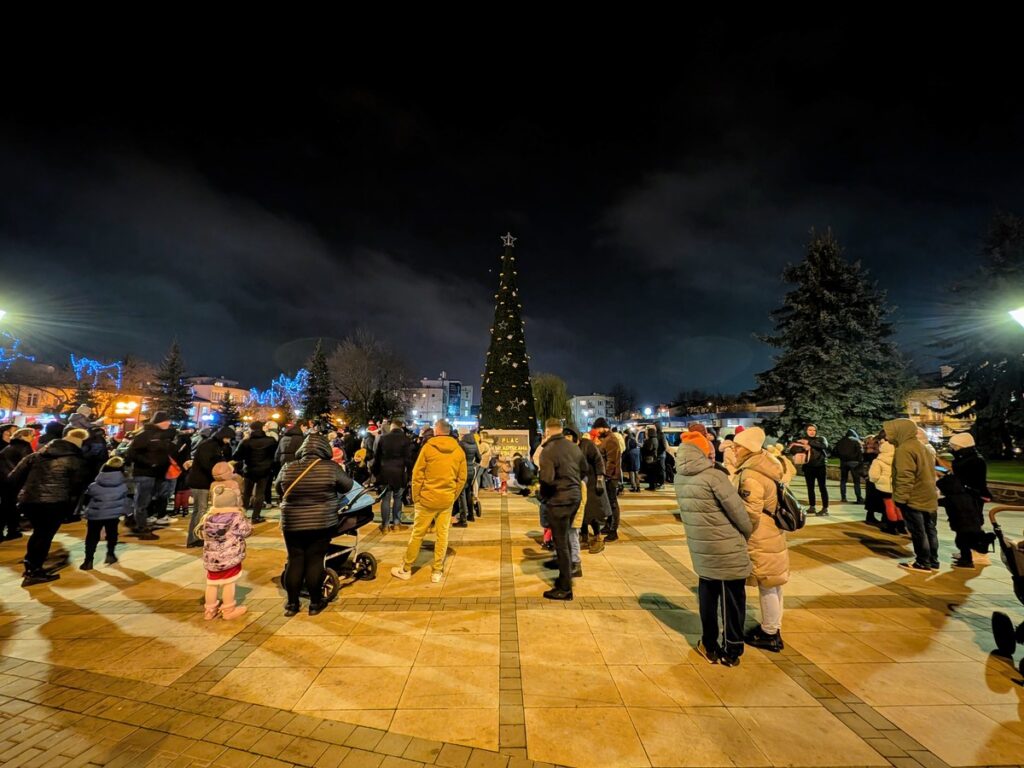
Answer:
(350, 444)
(849, 449)
(562, 469)
(597, 508)
(256, 453)
(313, 502)
(56, 474)
(392, 463)
(150, 451)
(970, 469)
(963, 508)
(819, 451)
(472, 450)
(11, 456)
(209, 452)
(289, 445)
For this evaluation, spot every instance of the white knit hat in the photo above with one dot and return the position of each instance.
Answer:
(751, 438)
(961, 440)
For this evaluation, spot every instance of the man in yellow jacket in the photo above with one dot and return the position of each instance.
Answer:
(437, 479)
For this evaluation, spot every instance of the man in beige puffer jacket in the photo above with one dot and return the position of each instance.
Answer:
(756, 476)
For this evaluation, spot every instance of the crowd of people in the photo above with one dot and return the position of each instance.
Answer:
(729, 490)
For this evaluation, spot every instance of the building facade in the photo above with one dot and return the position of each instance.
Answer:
(585, 409)
(208, 393)
(440, 398)
(924, 406)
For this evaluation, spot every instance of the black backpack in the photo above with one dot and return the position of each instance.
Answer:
(788, 515)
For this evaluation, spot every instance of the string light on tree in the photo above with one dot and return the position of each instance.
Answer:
(507, 367)
(90, 371)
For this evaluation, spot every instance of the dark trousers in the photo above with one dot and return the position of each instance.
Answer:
(306, 551)
(611, 488)
(923, 534)
(465, 503)
(267, 493)
(560, 519)
(10, 518)
(816, 475)
(46, 520)
(92, 535)
(254, 490)
(729, 599)
(848, 468)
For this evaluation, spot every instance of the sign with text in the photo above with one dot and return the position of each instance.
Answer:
(510, 441)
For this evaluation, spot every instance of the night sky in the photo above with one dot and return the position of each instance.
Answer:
(655, 201)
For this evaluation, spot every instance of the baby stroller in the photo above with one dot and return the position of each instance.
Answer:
(345, 560)
(1012, 554)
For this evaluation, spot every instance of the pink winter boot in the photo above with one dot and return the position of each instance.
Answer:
(212, 610)
(232, 611)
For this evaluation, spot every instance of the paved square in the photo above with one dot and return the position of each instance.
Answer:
(117, 667)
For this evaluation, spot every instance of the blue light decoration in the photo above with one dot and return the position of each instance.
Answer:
(85, 368)
(282, 389)
(10, 354)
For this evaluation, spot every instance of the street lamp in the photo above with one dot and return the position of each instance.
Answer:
(2, 313)
(1016, 314)
(648, 411)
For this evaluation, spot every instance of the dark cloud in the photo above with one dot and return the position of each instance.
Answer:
(655, 208)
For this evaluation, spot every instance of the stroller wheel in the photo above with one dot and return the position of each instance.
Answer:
(476, 507)
(1020, 633)
(366, 566)
(1003, 633)
(331, 584)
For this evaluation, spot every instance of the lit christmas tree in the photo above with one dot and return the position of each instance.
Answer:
(506, 396)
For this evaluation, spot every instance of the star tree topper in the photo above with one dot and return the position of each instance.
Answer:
(508, 240)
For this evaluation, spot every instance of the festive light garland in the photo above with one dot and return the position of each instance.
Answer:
(282, 389)
(9, 355)
(85, 367)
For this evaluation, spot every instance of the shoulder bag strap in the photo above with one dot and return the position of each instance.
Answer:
(297, 479)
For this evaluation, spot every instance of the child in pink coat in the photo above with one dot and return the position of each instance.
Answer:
(223, 529)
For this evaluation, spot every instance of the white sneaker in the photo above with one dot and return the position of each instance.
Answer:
(164, 520)
(436, 577)
(399, 572)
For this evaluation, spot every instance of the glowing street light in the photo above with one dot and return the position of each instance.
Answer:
(648, 411)
(1016, 314)
(2, 313)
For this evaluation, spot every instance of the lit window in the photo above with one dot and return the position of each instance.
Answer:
(33, 400)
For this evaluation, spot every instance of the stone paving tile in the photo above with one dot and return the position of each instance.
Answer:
(135, 715)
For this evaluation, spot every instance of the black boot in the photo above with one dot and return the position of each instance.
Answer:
(38, 576)
(558, 594)
(758, 638)
(86, 564)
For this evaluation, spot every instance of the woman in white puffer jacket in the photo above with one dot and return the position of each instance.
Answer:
(880, 474)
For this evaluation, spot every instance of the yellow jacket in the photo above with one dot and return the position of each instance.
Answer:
(440, 473)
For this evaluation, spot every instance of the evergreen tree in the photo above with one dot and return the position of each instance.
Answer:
(506, 396)
(174, 394)
(85, 392)
(229, 415)
(837, 367)
(317, 399)
(985, 346)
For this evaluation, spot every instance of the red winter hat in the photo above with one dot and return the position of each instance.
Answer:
(739, 429)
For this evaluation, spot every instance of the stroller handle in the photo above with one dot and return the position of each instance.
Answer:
(1003, 508)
